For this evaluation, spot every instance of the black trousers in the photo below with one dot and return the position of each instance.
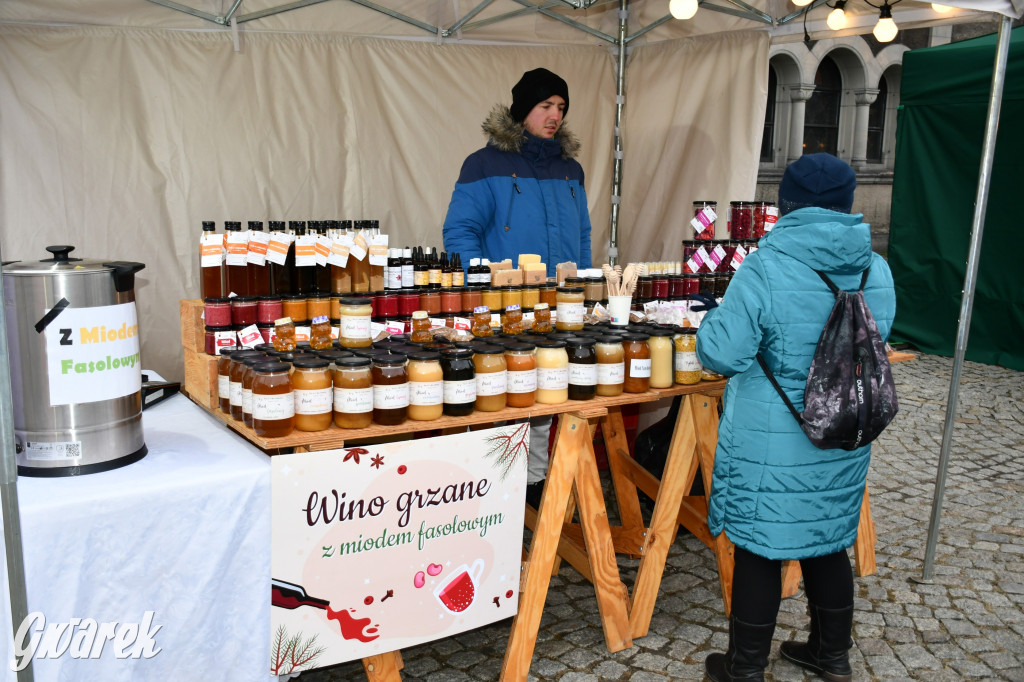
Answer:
(757, 584)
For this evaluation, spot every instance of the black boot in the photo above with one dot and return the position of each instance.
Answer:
(827, 651)
(747, 657)
(533, 493)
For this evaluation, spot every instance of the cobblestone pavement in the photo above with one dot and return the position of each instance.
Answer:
(967, 624)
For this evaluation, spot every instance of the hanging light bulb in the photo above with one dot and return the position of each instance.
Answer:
(682, 9)
(885, 30)
(802, 3)
(941, 9)
(837, 17)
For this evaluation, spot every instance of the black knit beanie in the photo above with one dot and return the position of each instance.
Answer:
(819, 180)
(535, 87)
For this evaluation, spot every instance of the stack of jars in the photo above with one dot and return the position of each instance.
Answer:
(276, 389)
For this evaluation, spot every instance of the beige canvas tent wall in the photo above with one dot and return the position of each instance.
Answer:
(124, 123)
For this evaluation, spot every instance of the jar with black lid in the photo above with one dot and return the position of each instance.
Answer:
(637, 362)
(390, 388)
(459, 381)
(582, 368)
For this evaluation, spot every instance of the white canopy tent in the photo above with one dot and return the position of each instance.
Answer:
(124, 123)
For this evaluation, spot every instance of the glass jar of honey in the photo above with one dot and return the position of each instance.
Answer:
(687, 365)
(512, 320)
(317, 305)
(223, 380)
(320, 335)
(542, 318)
(426, 386)
(521, 365)
(294, 306)
(552, 372)
(531, 295)
(511, 295)
(421, 328)
(662, 350)
(481, 321)
(235, 372)
(354, 323)
(491, 377)
(611, 372)
(570, 309)
(353, 393)
(273, 407)
(313, 391)
(284, 334)
(390, 389)
(636, 357)
(548, 294)
(582, 368)
(247, 378)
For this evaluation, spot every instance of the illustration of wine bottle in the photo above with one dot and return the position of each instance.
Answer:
(289, 596)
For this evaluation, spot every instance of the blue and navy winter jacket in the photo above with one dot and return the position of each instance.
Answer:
(520, 194)
(773, 492)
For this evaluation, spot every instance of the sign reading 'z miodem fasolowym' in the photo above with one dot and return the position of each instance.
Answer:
(383, 547)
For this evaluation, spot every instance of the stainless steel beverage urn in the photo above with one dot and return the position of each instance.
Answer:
(76, 380)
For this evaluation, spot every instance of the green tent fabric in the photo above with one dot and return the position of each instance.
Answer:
(940, 129)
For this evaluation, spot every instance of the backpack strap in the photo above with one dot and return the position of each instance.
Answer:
(782, 394)
(835, 289)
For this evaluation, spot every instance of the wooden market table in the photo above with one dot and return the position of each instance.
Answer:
(573, 487)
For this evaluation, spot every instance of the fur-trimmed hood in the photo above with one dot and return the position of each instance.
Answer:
(507, 135)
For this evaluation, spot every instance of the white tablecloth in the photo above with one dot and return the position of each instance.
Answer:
(185, 532)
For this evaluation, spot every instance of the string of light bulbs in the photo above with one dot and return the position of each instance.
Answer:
(885, 29)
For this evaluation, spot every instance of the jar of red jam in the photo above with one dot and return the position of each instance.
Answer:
(217, 312)
(430, 300)
(268, 309)
(659, 287)
(691, 283)
(741, 219)
(408, 302)
(676, 288)
(387, 305)
(451, 301)
(243, 310)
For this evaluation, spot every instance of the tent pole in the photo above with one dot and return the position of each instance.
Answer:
(970, 279)
(620, 100)
(9, 500)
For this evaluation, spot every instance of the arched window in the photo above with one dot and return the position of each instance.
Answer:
(821, 116)
(876, 123)
(768, 136)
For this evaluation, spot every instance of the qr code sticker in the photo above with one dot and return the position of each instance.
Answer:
(53, 451)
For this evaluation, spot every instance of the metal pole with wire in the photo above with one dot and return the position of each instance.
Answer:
(970, 279)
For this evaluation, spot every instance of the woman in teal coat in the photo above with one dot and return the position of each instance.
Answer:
(774, 494)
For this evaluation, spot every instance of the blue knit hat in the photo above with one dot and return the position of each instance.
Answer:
(819, 180)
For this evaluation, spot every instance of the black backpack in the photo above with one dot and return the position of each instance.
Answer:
(849, 397)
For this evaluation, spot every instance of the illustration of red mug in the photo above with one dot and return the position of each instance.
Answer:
(457, 590)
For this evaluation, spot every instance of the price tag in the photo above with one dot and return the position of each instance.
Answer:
(277, 247)
(704, 218)
(238, 248)
(301, 334)
(250, 336)
(305, 251)
(703, 259)
(436, 322)
(339, 251)
(258, 241)
(463, 323)
(211, 250)
(359, 246)
(323, 249)
(738, 256)
(378, 249)
(771, 216)
(717, 256)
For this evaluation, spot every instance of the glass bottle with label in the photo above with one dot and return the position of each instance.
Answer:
(259, 275)
(611, 372)
(459, 378)
(235, 373)
(353, 393)
(354, 327)
(521, 365)
(280, 276)
(491, 377)
(662, 354)
(688, 369)
(313, 391)
(211, 262)
(582, 368)
(390, 389)
(236, 269)
(273, 407)
(426, 386)
(552, 372)
(224, 380)
(636, 356)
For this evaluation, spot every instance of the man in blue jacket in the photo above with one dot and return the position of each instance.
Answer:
(523, 193)
(774, 494)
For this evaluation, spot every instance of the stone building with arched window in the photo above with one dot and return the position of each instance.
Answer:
(841, 95)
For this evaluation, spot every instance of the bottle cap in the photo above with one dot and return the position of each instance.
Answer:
(320, 319)
(281, 321)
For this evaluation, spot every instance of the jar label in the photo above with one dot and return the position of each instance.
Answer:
(582, 375)
(305, 251)
(706, 259)
(460, 392)
(552, 378)
(277, 247)
(391, 396)
(273, 407)
(354, 327)
(317, 401)
(717, 257)
(771, 216)
(611, 373)
(353, 400)
(491, 383)
(639, 368)
(235, 393)
(247, 400)
(737, 257)
(686, 361)
(224, 386)
(395, 277)
(211, 250)
(523, 381)
(421, 278)
(257, 254)
(570, 313)
(339, 252)
(426, 393)
(704, 218)
(463, 323)
(238, 248)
